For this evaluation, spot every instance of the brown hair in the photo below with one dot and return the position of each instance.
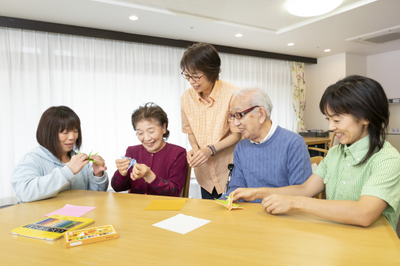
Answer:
(151, 111)
(53, 121)
(203, 57)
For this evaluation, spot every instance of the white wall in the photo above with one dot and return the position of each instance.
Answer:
(385, 68)
(319, 76)
(329, 70)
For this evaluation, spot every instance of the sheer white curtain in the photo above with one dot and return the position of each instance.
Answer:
(103, 81)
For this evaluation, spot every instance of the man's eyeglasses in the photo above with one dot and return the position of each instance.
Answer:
(188, 77)
(239, 115)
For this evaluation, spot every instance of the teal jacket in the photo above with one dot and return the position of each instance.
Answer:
(40, 175)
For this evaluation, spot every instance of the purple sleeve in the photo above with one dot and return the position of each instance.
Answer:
(173, 182)
(119, 182)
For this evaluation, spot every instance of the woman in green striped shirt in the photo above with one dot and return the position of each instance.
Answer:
(361, 175)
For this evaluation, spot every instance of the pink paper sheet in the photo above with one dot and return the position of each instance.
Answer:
(72, 210)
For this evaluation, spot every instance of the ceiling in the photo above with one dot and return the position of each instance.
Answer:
(265, 24)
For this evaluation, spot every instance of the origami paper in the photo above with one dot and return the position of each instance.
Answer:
(133, 161)
(165, 205)
(91, 160)
(229, 202)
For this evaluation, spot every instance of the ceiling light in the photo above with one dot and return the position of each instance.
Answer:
(290, 44)
(327, 50)
(239, 35)
(311, 8)
(133, 18)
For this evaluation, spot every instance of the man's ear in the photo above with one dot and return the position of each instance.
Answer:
(263, 114)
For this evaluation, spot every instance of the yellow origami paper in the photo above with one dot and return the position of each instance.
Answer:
(229, 202)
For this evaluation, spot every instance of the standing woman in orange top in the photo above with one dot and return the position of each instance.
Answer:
(205, 108)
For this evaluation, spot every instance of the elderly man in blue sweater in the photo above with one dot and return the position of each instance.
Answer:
(268, 156)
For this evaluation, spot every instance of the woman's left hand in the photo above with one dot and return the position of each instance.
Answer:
(200, 157)
(276, 203)
(100, 167)
(142, 171)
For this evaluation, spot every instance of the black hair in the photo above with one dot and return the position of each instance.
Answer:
(203, 57)
(55, 120)
(151, 111)
(363, 98)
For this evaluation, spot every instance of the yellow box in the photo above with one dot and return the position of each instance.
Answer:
(90, 235)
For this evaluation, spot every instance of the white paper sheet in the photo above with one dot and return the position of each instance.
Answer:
(181, 223)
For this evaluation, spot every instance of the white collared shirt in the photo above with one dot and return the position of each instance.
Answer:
(269, 135)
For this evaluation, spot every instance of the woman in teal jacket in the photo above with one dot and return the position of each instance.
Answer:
(54, 166)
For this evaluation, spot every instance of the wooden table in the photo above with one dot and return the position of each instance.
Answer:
(241, 237)
(316, 140)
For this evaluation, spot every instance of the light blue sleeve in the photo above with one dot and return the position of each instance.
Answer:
(34, 179)
(96, 183)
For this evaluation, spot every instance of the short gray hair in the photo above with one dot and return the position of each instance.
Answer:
(258, 97)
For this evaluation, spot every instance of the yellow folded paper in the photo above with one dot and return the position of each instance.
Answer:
(166, 205)
(229, 202)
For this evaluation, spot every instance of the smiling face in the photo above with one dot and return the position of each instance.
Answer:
(67, 139)
(150, 134)
(348, 129)
(201, 85)
(250, 124)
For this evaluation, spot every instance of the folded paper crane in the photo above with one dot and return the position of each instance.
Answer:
(91, 160)
(133, 161)
(229, 202)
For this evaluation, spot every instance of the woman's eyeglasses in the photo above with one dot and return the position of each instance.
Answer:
(188, 77)
(239, 115)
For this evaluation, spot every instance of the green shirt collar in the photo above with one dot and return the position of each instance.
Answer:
(358, 149)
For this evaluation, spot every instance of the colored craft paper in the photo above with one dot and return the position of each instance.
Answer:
(181, 223)
(72, 210)
(229, 202)
(166, 205)
(91, 160)
(133, 161)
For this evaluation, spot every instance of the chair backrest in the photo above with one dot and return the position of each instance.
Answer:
(334, 141)
(316, 160)
(185, 189)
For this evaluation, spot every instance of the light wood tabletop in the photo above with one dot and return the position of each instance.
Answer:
(316, 140)
(239, 237)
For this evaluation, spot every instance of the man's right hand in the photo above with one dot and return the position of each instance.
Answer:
(246, 194)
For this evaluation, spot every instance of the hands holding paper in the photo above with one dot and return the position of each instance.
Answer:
(142, 171)
(246, 194)
(138, 171)
(78, 161)
(99, 165)
(123, 165)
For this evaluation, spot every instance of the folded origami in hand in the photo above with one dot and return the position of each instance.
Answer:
(229, 202)
(91, 160)
(133, 161)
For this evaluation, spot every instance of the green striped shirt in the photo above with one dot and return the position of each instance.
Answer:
(378, 177)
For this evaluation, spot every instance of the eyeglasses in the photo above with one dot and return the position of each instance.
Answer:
(188, 77)
(239, 115)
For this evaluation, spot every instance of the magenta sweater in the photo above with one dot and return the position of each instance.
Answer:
(169, 165)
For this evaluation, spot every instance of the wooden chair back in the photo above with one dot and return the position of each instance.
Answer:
(185, 189)
(317, 160)
(331, 144)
